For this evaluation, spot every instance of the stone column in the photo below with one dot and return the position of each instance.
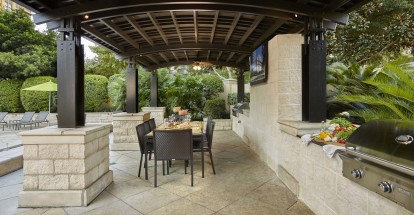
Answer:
(65, 166)
(125, 134)
(157, 113)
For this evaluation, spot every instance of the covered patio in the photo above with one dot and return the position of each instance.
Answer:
(264, 168)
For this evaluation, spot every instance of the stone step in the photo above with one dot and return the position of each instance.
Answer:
(11, 160)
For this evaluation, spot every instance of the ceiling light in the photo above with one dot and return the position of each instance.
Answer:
(86, 16)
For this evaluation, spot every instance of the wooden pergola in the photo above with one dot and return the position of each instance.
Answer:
(158, 33)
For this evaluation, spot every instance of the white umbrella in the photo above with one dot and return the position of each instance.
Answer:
(46, 87)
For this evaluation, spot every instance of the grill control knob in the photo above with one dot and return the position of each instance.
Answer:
(385, 187)
(356, 173)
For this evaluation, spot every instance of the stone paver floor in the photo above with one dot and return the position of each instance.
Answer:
(243, 185)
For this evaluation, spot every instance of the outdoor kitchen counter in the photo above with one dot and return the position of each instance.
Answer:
(318, 180)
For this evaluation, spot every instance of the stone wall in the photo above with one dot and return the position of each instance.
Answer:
(65, 167)
(157, 113)
(271, 130)
(124, 131)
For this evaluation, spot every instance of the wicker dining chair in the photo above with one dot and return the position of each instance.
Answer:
(152, 124)
(145, 148)
(173, 144)
(206, 143)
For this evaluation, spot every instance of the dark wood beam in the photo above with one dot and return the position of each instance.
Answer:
(186, 55)
(208, 55)
(218, 63)
(195, 47)
(45, 6)
(335, 4)
(164, 57)
(177, 27)
(23, 4)
(213, 31)
(232, 27)
(265, 36)
(242, 56)
(119, 31)
(230, 57)
(195, 26)
(280, 8)
(219, 56)
(139, 30)
(152, 58)
(97, 34)
(252, 27)
(158, 27)
(175, 56)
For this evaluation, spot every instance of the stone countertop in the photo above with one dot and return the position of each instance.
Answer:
(55, 131)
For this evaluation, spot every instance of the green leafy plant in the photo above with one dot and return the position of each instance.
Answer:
(232, 98)
(96, 93)
(341, 121)
(216, 108)
(10, 96)
(117, 91)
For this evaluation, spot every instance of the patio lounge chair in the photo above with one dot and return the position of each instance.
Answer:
(41, 117)
(2, 121)
(25, 120)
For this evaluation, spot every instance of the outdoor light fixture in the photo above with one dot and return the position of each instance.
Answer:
(86, 16)
(197, 65)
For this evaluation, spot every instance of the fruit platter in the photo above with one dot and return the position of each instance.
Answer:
(335, 131)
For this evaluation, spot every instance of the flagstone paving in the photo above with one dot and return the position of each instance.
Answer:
(243, 184)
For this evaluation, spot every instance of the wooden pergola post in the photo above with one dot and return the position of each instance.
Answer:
(240, 86)
(154, 88)
(132, 86)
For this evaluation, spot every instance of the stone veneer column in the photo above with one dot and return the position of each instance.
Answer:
(65, 166)
(157, 113)
(125, 134)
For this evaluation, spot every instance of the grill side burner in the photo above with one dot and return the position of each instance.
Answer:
(380, 157)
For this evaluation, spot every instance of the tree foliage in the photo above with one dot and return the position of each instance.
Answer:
(25, 52)
(104, 63)
(9, 96)
(36, 100)
(96, 93)
(379, 28)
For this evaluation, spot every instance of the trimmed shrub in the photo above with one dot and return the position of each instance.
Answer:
(232, 98)
(117, 91)
(216, 108)
(36, 100)
(96, 93)
(9, 96)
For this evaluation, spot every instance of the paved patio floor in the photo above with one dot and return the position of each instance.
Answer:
(243, 185)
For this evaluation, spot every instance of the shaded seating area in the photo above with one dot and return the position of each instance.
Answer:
(205, 145)
(27, 119)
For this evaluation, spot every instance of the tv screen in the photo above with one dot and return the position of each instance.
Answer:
(258, 65)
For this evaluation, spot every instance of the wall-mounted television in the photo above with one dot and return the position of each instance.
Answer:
(258, 65)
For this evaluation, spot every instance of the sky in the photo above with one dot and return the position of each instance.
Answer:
(86, 43)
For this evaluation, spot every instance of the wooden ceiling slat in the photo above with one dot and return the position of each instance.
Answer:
(177, 27)
(119, 31)
(139, 29)
(157, 26)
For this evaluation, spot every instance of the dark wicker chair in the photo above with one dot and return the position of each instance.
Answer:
(152, 124)
(147, 127)
(206, 143)
(173, 144)
(145, 148)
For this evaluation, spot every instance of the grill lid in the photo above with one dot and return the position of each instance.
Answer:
(386, 139)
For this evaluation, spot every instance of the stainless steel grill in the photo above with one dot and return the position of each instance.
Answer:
(380, 157)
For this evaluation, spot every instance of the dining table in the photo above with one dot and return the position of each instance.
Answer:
(197, 131)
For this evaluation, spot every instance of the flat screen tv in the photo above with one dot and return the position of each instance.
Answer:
(258, 65)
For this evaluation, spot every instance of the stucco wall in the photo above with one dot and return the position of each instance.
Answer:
(306, 170)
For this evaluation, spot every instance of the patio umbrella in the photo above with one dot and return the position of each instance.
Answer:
(46, 87)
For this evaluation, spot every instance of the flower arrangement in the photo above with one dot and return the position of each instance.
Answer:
(338, 130)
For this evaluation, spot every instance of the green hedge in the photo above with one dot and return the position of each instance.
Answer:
(36, 100)
(232, 98)
(9, 96)
(96, 93)
(117, 91)
(216, 108)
